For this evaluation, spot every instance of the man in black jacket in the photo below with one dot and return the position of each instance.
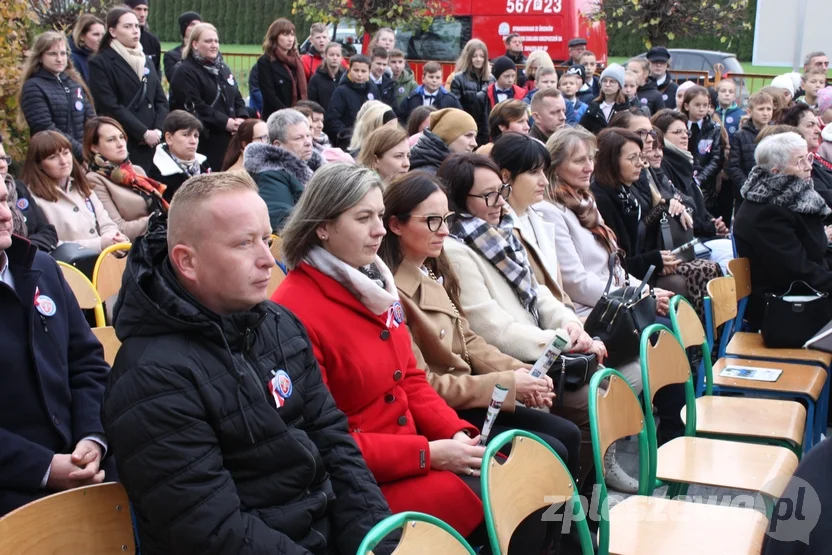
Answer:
(187, 21)
(648, 94)
(52, 379)
(150, 44)
(226, 436)
(379, 75)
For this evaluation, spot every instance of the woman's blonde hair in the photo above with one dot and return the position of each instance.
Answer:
(195, 34)
(370, 117)
(465, 62)
(543, 60)
(44, 42)
(334, 189)
(82, 27)
(378, 142)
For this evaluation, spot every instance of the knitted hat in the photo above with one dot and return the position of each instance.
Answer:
(614, 71)
(783, 82)
(186, 19)
(133, 3)
(685, 86)
(578, 70)
(501, 65)
(451, 123)
(824, 99)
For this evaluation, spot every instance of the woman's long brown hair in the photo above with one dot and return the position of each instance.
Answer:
(41, 146)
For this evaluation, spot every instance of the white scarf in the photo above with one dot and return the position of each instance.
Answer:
(133, 56)
(377, 300)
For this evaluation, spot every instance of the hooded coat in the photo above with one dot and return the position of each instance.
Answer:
(344, 105)
(405, 84)
(210, 461)
(429, 153)
(281, 177)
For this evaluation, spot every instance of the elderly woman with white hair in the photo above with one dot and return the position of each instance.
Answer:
(284, 166)
(779, 226)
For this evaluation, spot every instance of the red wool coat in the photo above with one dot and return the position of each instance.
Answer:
(392, 410)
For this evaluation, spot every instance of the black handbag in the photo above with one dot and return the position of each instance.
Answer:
(619, 317)
(672, 236)
(794, 317)
(75, 255)
(571, 372)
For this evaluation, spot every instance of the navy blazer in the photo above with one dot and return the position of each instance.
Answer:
(53, 374)
(443, 99)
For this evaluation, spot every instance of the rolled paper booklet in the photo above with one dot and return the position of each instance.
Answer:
(550, 355)
(498, 396)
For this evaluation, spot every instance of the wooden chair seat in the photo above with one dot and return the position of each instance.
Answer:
(745, 344)
(748, 417)
(728, 464)
(804, 379)
(275, 280)
(642, 525)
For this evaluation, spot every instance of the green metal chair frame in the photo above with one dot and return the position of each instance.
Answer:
(400, 520)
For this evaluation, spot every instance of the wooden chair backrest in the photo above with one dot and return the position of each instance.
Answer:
(530, 479)
(108, 271)
(619, 413)
(275, 249)
(275, 280)
(723, 294)
(81, 286)
(420, 538)
(691, 330)
(667, 363)
(740, 270)
(93, 520)
(107, 336)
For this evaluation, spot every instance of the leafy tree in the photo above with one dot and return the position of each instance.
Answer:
(61, 15)
(19, 20)
(371, 16)
(659, 22)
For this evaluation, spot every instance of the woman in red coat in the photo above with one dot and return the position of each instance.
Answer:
(424, 457)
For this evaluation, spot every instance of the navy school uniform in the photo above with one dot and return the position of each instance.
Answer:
(441, 99)
(53, 374)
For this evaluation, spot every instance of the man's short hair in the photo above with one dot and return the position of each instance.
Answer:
(310, 106)
(432, 67)
(360, 59)
(185, 212)
(395, 53)
(281, 120)
(540, 96)
(380, 52)
(728, 81)
(759, 98)
(544, 72)
(565, 76)
(317, 28)
(808, 59)
(587, 54)
(813, 71)
(511, 36)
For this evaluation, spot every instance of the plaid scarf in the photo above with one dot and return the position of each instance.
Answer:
(498, 245)
(125, 175)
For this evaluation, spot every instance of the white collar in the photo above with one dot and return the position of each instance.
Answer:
(376, 81)
(699, 123)
(166, 165)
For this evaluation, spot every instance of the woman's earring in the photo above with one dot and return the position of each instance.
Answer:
(322, 237)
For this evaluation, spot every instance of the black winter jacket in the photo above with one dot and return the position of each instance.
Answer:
(822, 179)
(56, 103)
(165, 170)
(442, 100)
(137, 104)
(152, 48)
(593, 119)
(39, 231)
(668, 90)
(428, 153)
(321, 86)
(471, 93)
(649, 96)
(212, 99)
(387, 90)
(741, 158)
(171, 60)
(211, 464)
(344, 105)
(679, 170)
(708, 157)
(782, 246)
(276, 82)
(625, 222)
(81, 59)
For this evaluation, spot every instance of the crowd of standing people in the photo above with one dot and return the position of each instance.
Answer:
(436, 235)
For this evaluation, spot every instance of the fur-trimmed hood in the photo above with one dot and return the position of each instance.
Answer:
(260, 157)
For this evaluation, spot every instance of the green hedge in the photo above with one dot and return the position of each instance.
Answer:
(237, 21)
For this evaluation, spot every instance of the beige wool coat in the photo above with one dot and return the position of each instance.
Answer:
(127, 208)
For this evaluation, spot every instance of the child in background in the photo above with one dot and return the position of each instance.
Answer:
(547, 78)
(744, 142)
(630, 91)
(402, 75)
(727, 110)
(570, 82)
(813, 81)
(351, 93)
(430, 93)
(680, 92)
(505, 73)
(609, 102)
(706, 146)
(591, 86)
(315, 113)
(825, 106)
(378, 75)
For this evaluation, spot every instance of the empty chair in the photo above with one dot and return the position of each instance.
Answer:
(106, 276)
(84, 291)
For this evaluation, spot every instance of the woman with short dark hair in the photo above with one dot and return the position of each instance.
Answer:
(176, 159)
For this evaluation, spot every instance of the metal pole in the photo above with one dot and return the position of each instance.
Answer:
(802, 10)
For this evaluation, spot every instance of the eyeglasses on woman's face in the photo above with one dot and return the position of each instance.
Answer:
(805, 162)
(261, 139)
(644, 133)
(684, 132)
(434, 222)
(491, 198)
(636, 159)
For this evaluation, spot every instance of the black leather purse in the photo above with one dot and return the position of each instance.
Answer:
(75, 255)
(672, 236)
(571, 372)
(619, 316)
(794, 317)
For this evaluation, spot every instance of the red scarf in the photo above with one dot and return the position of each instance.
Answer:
(296, 73)
(126, 176)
